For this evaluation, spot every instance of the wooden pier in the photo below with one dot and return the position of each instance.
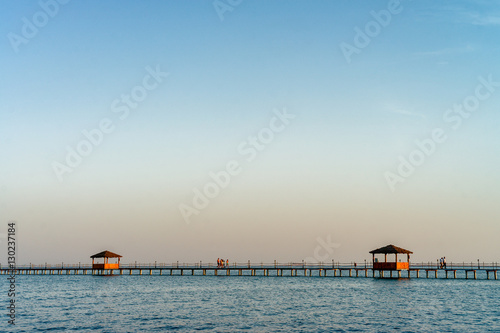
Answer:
(488, 271)
(101, 266)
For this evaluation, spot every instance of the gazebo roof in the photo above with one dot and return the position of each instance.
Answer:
(391, 249)
(106, 254)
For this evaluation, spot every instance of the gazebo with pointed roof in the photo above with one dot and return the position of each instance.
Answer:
(105, 264)
(391, 266)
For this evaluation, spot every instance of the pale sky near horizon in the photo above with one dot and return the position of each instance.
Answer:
(315, 102)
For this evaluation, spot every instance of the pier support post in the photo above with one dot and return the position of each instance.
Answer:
(161, 271)
(399, 274)
(182, 271)
(495, 274)
(239, 272)
(228, 272)
(204, 272)
(215, 272)
(192, 272)
(475, 276)
(436, 274)
(350, 272)
(140, 272)
(150, 272)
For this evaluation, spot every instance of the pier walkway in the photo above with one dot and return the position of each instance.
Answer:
(482, 271)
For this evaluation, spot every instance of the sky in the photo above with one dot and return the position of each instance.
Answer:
(250, 130)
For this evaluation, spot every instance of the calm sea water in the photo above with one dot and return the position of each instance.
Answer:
(252, 304)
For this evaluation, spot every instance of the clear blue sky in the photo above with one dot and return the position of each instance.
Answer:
(324, 174)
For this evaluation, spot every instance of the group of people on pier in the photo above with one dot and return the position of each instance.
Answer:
(221, 263)
(442, 263)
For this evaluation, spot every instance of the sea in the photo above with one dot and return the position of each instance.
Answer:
(86, 303)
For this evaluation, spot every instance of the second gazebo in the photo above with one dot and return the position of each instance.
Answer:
(389, 265)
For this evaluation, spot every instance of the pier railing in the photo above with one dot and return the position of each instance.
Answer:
(257, 265)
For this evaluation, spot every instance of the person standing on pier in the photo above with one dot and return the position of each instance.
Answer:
(440, 262)
(444, 262)
(227, 262)
(218, 262)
